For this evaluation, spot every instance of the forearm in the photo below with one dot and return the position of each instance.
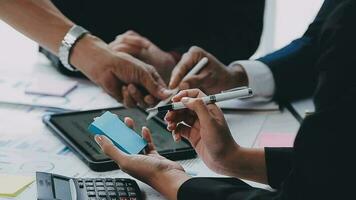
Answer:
(248, 163)
(169, 183)
(39, 20)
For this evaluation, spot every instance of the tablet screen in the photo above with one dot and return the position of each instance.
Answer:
(75, 127)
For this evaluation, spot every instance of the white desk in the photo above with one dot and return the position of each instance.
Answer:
(35, 148)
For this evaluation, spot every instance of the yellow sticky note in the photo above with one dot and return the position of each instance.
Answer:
(13, 185)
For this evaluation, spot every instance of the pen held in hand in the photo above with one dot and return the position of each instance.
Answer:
(193, 71)
(233, 94)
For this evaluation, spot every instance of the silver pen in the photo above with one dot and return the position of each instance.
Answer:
(223, 96)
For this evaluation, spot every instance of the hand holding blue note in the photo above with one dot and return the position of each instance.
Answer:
(122, 136)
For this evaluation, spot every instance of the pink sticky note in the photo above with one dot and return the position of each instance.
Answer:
(275, 140)
(51, 87)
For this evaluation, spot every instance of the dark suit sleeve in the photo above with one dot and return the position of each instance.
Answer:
(293, 66)
(230, 25)
(279, 164)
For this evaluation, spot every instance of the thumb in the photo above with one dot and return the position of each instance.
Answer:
(109, 149)
(195, 81)
(155, 85)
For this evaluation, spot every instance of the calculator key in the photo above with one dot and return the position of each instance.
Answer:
(112, 194)
(91, 194)
(100, 188)
(109, 184)
(119, 184)
(110, 188)
(122, 194)
(109, 180)
(90, 188)
(129, 184)
(132, 194)
(103, 198)
(92, 198)
(120, 188)
(102, 194)
(130, 189)
(89, 184)
(81, 185)
(132, 198)
(99, 183)
(124, 198)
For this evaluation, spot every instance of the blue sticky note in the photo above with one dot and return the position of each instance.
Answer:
(122, 136)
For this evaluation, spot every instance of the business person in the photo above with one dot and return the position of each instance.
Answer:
(159, 32)
(79, 50)
(320, 165)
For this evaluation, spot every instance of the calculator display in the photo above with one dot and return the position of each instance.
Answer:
(62, 189)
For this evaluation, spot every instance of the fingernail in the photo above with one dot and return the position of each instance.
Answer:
(185, 100)
(175, 137)
(98, 140)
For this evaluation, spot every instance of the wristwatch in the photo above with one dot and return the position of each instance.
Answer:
(69, 40)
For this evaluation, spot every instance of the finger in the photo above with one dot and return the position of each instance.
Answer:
(129, 122)
(131, 32)
(136, 95)
(154, 85)
(194, 81)
(109, 149)
(198, 106)
(150, 100)
(186, 63)
(192, 93)
(128, 101)
(146, 134)
(135, 40)
(112, 86)
(179, 116)
(127, 48)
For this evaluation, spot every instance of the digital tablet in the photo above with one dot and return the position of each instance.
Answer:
(72, 128)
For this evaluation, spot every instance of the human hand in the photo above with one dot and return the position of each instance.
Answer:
(212, 79)
(114, 70)
(208, 132)
(140, 47)
(162, 174)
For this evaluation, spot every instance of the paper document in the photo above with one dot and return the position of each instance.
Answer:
(236, 104)
(14, 90)
(13, 185)
(51, 87)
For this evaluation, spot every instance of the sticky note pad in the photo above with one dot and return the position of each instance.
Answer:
(51, 87)
(275, 140)
(13, 185)
(122, 136)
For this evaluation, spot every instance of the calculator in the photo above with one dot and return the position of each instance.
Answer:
(57, 187)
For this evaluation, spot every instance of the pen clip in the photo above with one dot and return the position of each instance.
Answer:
(234, 89)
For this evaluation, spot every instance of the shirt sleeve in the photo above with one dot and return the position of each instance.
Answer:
(260, 79)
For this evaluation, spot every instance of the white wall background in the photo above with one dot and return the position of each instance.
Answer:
(284, 21)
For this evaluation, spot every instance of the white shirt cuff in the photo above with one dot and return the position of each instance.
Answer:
(260, 79)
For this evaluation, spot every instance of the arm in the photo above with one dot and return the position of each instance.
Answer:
(42, 22)
(293, 66)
